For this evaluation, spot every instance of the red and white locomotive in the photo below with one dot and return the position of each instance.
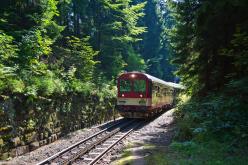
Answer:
(141, 95)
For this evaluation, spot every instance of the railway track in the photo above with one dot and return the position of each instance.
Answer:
(92, 149)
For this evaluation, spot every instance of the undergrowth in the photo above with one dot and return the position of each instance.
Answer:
(211, 130)
(192, 153)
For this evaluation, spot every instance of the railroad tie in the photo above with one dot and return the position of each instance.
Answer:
(108, 142)
(87, 159)
(118, 136)
(65, 157)
(94, 153)
(81, 147)
(73, 152)
(114, 139)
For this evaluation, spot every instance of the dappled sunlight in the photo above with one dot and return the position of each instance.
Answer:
(134, 154)
(156, 135)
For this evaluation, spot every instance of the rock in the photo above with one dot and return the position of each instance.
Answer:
(23, 143)
(30, 137)
(56, 130)
(49, 140)
(15, 141)
(34, 145)
(75, 127)
(41, 136)
(43, 142)
(46, 134)
(22, 150)
(58, 134)
(1, 142)
(54, 137)
(13, 153)
(49, 130)
(4, 156)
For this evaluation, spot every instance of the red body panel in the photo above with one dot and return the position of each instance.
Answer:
(138, 76)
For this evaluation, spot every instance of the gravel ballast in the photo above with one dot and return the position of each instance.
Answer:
(49, 150)
(157, 132)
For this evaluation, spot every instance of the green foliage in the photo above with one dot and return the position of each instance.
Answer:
(7, 49)
(211, 153)
(8, 52)
(208, 56)
(81, 57)
(189, 152)
(134, 62)
(154, 46)
(220, 116)
(209, 44)
(62, 56)
(31, 66)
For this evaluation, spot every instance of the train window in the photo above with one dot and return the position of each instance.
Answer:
(154, 91)
(150, 87)
(167, 93)
(125, 86)
(139, 86)
(164, 91)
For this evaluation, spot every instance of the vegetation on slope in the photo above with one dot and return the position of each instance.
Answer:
(209, 45)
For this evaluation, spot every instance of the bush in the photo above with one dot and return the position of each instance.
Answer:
(218, 115)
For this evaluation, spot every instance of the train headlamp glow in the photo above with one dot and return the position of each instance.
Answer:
(122, 95)
(141, 95)
(133, 75)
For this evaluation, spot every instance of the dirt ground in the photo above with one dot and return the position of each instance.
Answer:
(151, 139)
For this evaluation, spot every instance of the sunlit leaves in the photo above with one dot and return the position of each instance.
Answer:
(7, 48)
(82, 55)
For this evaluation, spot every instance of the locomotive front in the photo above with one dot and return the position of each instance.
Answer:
(134, 98)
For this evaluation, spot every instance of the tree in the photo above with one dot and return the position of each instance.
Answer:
(203, 30)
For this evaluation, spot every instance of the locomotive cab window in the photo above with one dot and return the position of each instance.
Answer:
(125, 86)
(150, 87)
(139, 86)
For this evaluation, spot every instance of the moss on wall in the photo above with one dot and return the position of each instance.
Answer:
(26, 124)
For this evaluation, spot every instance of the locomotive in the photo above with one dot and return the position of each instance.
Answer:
(141, 95)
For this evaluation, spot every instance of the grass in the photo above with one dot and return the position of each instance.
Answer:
(126, 157)
(190, 153)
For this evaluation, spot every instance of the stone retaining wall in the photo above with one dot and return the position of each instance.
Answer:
(27, 123)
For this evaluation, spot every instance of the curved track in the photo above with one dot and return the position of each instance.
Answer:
(92, 149)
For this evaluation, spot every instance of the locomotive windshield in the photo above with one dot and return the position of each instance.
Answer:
(139, 86)
(125, 86)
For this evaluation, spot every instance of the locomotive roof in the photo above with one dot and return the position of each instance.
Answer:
(171, 84)
(155, 79)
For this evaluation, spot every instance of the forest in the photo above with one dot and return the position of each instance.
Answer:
(73, 42)
(56, 52)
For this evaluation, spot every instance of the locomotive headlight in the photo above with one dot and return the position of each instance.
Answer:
(122, 95)
(141, 95)
(133, 75)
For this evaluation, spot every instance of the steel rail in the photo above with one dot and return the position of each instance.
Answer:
(93, 145)
(49, 159)
(96, 159)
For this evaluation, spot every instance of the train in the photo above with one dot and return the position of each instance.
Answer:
(140, 95)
